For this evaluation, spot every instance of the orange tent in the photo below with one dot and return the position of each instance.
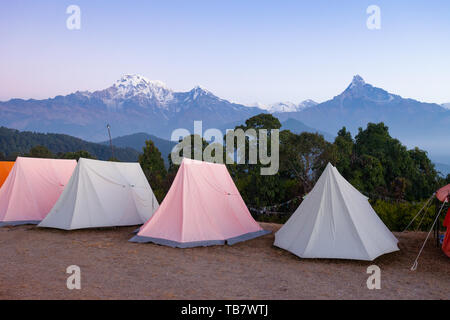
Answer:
(446, 243)
(5, 169)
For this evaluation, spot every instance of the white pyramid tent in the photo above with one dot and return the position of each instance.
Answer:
(335, 221)
(103, 194)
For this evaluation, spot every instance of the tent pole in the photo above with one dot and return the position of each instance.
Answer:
(436, 232)
(110, 140)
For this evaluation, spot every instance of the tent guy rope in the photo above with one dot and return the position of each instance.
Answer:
(416, 262)
(425, 205)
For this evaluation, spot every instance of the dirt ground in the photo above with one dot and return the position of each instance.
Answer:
(33, 264)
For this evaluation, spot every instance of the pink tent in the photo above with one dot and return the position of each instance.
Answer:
(203, 207)
(32, 188)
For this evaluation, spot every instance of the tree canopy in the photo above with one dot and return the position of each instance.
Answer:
(381, 166)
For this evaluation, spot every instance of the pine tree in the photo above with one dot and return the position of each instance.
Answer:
(152, 164)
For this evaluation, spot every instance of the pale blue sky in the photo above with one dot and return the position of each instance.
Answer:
(244, 51)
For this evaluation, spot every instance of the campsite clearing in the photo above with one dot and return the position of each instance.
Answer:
(34, 260)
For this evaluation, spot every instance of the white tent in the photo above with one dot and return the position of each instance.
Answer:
(335, 221)
(103, 194)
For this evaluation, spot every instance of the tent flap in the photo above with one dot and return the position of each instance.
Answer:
(247, 236)
(176, 244)
(18, 223)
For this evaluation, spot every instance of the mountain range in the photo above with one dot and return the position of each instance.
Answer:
(132, 104)
(135, 104)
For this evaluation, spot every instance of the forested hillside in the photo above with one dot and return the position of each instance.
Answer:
(14, 143)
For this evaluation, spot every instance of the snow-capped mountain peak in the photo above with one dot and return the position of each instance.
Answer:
(283, 107)
(199, 91)
(138, 81)
(200, 88)
(134, 85)
(358, 88)
(307, 104)
(286, 106)
(357, 81)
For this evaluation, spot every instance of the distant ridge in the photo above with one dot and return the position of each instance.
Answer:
(296, 126)
(443, 168)
(137, 142)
